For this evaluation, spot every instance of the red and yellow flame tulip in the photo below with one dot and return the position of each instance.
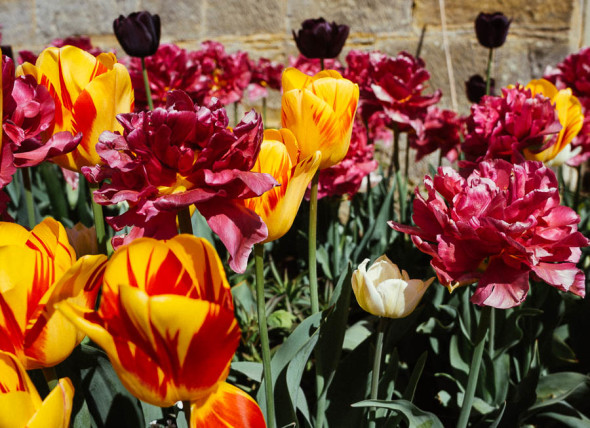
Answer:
(88, 92)
(569, 112)
(167, 323)
(39, 268)
(280, 157)
(319, 110)
(20, 403)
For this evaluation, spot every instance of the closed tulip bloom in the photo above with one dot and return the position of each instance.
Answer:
(318, 38)
(569, 113)
(20, 403)
(280, 157)
(319, 110)
(166, 321)
(89, 92)
(491, 29)
(385, 291)
(138, 34)
(39, 268)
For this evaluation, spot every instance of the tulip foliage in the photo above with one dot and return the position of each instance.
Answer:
(451, 298)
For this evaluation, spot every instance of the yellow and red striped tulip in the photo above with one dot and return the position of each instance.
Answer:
(569, 113)
(280, 157)
(39, 268)
(88, 92)
(20, 403)
(167, 324)
(319, 110)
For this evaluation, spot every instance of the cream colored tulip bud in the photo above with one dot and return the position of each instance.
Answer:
(385, 291)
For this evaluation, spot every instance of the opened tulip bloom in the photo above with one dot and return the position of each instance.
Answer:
(319, 110)
(166, 321)
(20, 403)
(499, 226)
(88, 92)
(39, 268)
(569, 113)
(281, 158)
(384, 291)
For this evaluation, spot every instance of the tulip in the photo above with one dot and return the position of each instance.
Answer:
(569, 112)
(280, 157)
(320, 39)
(89, 92)
(39, 268)
(319, 110)
(475, 88)
(385, 291)
(20, 403)
(138, 34)
(491, 29)
(166, 321)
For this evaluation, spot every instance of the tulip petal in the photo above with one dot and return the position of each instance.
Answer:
(238, 228)
(228, 406)
(56, 409)
(13, 234)
(17, 392)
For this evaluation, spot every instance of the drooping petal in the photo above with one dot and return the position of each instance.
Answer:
(228, 406)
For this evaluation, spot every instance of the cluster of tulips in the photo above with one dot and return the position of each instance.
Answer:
(152, 134)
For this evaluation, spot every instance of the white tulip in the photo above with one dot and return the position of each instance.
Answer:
(385, 291)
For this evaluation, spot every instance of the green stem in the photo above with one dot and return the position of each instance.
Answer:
(101, 236)
(578, 187)
(322, 64)
(29, 197)
(186, 408)
(480, 336)
(376, 369)
(263, 331)
(264, 112)
(394, 163)
(50, 377)
(489, 71)
(146, 83)
(421, 41)
(185, 224)
(313, 268)
(407, 170)
(491, 341)
(235, 114)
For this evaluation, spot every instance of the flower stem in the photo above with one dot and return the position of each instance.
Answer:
(263, 331)
(50, 377)
(29, 197)
(489, 71)
(323, 68)
(236, 114)
(395, 153)
(376, 369)
(313, 268)
(264, 113)
(407, 170)
(186, 408)
(479, 342)
(185, 224)
(578, 187)
(101, 236)
(146, 83)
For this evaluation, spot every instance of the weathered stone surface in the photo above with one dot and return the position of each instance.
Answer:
(242, 18)
(374, 16)
(17, 20)
(181, 19)
(532, 13)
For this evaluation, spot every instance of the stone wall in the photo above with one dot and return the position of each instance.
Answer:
(543, 31)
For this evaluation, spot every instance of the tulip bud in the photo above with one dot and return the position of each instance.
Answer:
(138, 34)
(491, 29)
(475, 88)
(385, 291)
(320, 39)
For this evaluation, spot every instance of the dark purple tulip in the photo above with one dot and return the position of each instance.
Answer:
(138, 34)
(491, 29)
(475, 88)
(320, 39)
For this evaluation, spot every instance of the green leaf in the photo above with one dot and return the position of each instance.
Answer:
(415, 377)
(281, 319)
(556, 387)
(250, 369)
(355, 335)
(415, 417)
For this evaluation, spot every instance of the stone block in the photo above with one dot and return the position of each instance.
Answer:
(237, 17)
(181, 19)
(18, 23)
(369, 16)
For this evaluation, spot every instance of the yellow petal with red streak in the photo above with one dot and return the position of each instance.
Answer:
(56, 409)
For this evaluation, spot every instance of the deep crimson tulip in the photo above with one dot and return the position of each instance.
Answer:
(318, 38)
(491, 29)
(475, 88)
(442, 130)
(169, 159)
(497, 227)
(138, 33)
